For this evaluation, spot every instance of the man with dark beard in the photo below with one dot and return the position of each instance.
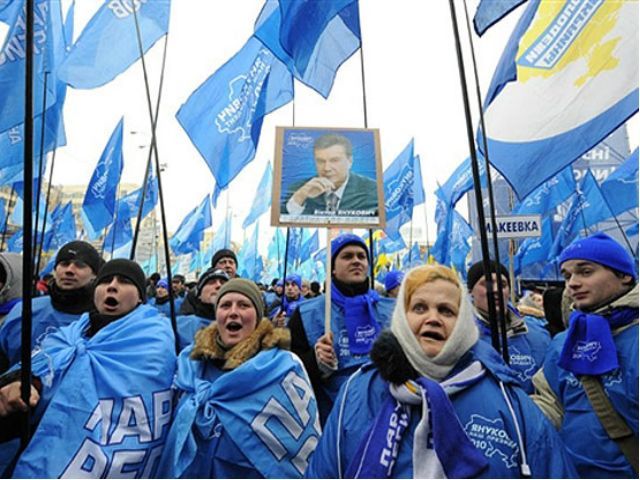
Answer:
(76, 266)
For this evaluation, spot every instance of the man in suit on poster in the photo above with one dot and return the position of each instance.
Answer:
(336, 190)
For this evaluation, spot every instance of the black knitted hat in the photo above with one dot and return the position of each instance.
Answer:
(223, 253)
(476, 272)
(209, 275)
(124, 268)
(79, 250)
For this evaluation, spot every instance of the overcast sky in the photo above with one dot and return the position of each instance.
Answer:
(412, 90)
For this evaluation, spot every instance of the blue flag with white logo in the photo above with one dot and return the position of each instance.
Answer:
(63, 228)
(150, 199)
(47, 25)
(489, 12)
(587, 208)
(120, 233)
(312, 38)
(568, 78)
(398, 191)
(550, 194)
(119, 378)
(99, 202)
(262, 200)
(419, 196)
(620, 189)
(109, 43)
(310, 246)
(534, 250)
(412, 258)
(191, 231)
(388, 245)
(461, 181)
(223, 116)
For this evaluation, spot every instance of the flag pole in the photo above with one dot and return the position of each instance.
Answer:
(46, 214)
(154, 146)
(114, 228)
(147, 172)
(486, 264)
(40, 170)
(6, 219)
(371, 256)
(286, 253)
(492, 209)
(411, 240)
(27, 261)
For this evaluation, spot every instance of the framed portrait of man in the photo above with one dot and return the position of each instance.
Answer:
(327, 177)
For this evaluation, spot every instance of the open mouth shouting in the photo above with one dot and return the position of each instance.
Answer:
(111, 304)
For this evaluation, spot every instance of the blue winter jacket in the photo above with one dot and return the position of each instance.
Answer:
(594, 454)
(528, 342)
(45, 319)
(312, 315)
(483, 413)
(165, 308)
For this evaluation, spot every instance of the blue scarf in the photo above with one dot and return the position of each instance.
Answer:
(589, 348)
(359, 318)
(441, 448)
(7, 306)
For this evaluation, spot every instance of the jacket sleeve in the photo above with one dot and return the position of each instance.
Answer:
(545, 398)
(300, 346)
(324, 461)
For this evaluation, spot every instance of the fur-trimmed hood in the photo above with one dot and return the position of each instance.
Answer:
(264, 337)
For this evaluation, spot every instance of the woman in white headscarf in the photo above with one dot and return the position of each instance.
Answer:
(435, 402)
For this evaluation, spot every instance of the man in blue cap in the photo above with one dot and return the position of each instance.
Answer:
(283, 308)
(595, 361)
(392, 283)
(358, 314)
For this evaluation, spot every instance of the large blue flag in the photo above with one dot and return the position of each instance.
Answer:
(191, 231)
(109, 44)
(150, 199)
(312, 38)
(223, 116)
(550, 194)
(398, 191)
(47, 31)
(262, 200)
(63, 228)
(490, 12)
(620, 189)
(99, 202)
(587, 208)
(568, 78)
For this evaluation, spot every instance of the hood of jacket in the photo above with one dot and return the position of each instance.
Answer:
(12, 264)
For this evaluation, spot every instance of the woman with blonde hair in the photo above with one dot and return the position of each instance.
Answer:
(435, 402)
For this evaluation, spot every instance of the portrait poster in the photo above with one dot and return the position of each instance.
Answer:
(327, 177)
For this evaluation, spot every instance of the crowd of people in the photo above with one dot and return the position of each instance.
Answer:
(402, 382)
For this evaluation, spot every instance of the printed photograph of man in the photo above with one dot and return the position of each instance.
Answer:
(328, 176)
(335, 190)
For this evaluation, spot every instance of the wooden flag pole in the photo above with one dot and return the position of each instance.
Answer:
(327, 287)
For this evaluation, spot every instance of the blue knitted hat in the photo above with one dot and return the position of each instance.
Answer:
(393, 280)
(345, 239)
(294, 278)
(163, 284)
(600, 248)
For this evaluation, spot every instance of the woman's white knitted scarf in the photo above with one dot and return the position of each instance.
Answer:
(463, 337)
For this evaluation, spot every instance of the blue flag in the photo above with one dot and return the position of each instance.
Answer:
(461, 181)
(295, 242)
(459, 246)
(387, 245)
(222, 236)
(191, 231)
(109, 44)
(150, 199)
(120, 233)
(561, 86)
(398, 191)
(63, 228)
(225, 128)
(412, 258)
(490, 12)
(587, 208)
(15, 242)
(620, 189)
(312, 38)
(419, 196)
(262, 200)
(250, 256)
(550, 194)
(534, 250)
(310, 246)
(47, 25)
(99, 202)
